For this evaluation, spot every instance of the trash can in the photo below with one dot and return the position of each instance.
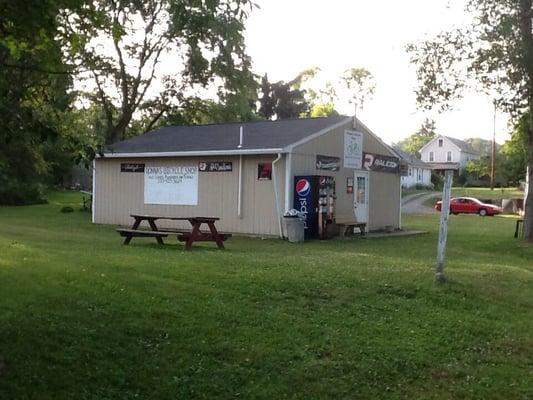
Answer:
(294, 227)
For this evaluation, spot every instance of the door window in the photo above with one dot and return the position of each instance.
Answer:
(361, 190)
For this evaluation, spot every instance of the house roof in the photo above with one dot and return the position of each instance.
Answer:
(461, 144)
(464, 146)
(411, 159)
(258, 137)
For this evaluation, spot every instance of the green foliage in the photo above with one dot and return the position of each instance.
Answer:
(419, 139)
(360, 84)
(515, 152)
(323, 110)
(206, 38)
(284, 99)
(437, 180)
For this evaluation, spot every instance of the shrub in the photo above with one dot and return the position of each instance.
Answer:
(19, 193)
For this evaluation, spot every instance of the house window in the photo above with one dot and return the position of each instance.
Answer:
(410, 172)
(431, 156)
(419, 174)
(440, 142)
(264, 172)
(449, 156)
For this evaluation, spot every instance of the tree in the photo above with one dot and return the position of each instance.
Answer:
(33, 97)
(116, 48)
(412, 144)
(285, 99)
(515, 151)
(494, 54)
(360, 83)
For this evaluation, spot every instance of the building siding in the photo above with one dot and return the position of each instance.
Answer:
(119, 194)
(384, 188)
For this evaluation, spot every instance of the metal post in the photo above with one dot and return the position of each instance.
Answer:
(493, 163)
(443, 229)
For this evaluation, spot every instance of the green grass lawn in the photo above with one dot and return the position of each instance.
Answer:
(84, 317)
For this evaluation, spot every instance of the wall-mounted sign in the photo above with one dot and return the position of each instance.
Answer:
(264, 172)
(215, 166)
(131, 167)
(349, 185)
(353, 149)
(328, 163)
(381, 163)
(171, 185)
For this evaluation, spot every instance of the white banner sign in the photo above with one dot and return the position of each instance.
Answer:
(353, 149)
(171, 185)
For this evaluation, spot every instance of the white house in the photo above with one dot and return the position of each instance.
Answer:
(444, 152)
(415, 170)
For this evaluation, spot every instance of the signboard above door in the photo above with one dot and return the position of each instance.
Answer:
(353, 149)
(381, 163)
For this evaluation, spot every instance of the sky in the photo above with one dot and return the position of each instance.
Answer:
(284, 37)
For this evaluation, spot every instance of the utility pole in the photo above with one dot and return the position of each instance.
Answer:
(493, 163)
(443, 229)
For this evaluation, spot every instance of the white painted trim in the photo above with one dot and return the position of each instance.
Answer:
(367, 194)
(93, 202)
(276, 194)
(192, 153)
(290, 147)
(288, 181)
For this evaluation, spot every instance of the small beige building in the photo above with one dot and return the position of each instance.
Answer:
(245, 173)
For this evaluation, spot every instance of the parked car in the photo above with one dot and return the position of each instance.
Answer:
(469, 205)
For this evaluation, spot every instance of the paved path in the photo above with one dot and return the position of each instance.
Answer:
(413, 204)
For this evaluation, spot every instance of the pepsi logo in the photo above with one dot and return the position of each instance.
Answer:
(303, 187)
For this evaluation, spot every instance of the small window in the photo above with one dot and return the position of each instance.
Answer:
(419, 174)
(410, 172)
(449, 156)
(440, 142)
(431, 156)
(264, 172)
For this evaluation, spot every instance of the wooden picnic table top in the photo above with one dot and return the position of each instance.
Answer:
(201, 219)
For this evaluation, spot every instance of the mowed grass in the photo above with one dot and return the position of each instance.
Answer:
(84, 317)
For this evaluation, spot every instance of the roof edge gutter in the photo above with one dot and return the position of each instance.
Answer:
(192, 153)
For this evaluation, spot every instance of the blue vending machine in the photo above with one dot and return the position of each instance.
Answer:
(314, 198)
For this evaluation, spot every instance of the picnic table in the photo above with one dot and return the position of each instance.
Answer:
(195, 234)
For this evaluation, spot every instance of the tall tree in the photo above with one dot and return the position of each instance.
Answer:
(117, 46)
(33, 94)
(412, 144)
(360, 84)
(495, 54)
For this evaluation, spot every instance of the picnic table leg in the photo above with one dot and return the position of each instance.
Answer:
(153, 226)
(216, 236)
(194, 234)
(134, 226)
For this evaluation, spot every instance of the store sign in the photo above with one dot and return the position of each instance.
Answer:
(353, 149)
(381, 163)
(130, 167)
(171, 185)
(215, 166)
(328, 163)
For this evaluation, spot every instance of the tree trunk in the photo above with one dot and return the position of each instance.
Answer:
(528, 217)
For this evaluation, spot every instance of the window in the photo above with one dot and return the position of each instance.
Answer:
(440, 142)
(431, 156)
(264, 172)
(449, 156)
(410, 172)
(419, 174)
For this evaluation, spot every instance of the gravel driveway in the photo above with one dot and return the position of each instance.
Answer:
(413, 204)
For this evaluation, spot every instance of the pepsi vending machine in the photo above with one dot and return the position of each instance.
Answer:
(314, 197)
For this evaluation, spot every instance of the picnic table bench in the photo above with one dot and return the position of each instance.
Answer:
(195, 234)
(346, 227)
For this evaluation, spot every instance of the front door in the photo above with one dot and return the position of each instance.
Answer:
(360, 198)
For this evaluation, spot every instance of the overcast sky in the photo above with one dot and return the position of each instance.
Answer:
(285, 37)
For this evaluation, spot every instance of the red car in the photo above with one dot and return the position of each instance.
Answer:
(469, 205)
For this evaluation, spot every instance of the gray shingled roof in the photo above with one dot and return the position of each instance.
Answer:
(464, 146)
(411, 159)
(225, 137)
